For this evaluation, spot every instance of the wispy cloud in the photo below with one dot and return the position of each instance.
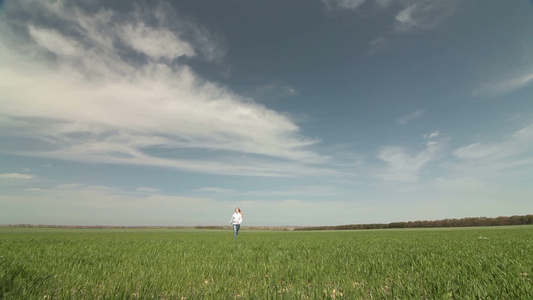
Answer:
(17, 176)
(111, 89)
(514, 118)
(147, 190)
(422, 15)
(492, 160)
(343, 4)
(520, 142)
(410, 17)
(405, 19)
(216, 190)
(412, 116)
(504, 86)
(433, 134)
(156, 43)
(491, 170)
(404, 166)
(274, 91)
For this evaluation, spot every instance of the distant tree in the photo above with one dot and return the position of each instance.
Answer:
(464, 222)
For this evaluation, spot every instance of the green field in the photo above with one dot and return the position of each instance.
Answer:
(461, 263)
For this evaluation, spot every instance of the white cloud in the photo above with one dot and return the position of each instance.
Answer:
(422, 15)
(345, 4)
(16, 176)
(503, 86)
(412, 16)
(405, 19)
(495, 173)
(511, 155)
(147, 190)
(481, 151)
(523, 135)
(434, 134)
(520, 142)
(53, 41)
(216, 190)
(92, 102)
(410, 117)
(514, 118)
(400, 165)
(155, 42)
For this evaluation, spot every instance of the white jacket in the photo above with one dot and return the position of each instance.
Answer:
(236, 218)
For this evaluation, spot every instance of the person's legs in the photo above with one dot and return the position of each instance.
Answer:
(238, 228)
(235, 230)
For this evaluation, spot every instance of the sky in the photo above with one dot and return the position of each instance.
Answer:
(299, 112)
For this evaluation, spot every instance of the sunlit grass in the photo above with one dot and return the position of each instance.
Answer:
(473, 263)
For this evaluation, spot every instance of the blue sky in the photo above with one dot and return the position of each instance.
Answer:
(299, 112)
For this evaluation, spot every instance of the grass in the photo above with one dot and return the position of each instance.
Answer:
(452, 263)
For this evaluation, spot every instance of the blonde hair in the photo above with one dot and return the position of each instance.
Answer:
(240, 211)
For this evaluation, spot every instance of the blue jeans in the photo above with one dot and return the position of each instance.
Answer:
(236, 228)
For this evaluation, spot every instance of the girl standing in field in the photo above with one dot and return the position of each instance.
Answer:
(236, 220)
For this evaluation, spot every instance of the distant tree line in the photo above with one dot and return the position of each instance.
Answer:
(464, 222)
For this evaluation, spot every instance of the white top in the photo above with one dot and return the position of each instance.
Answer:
(236, 219)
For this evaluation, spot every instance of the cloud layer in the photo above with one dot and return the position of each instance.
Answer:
(16, 176)
(402, 166)
(505, 85)
(111, 87)
(493, 159)
(412, 116)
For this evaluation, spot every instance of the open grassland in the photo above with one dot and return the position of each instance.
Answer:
(459, 263)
